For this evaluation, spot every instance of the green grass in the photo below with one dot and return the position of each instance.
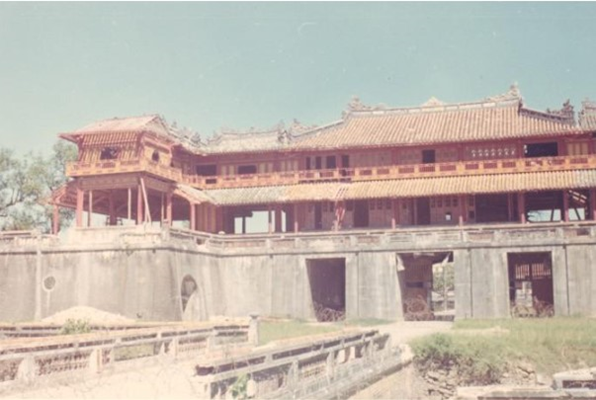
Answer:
(277, 330)
(551, 345)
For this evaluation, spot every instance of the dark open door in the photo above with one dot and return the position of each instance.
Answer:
(318, 217)
(428, 156)
(360, 214)
(331, 163)
(423, 211)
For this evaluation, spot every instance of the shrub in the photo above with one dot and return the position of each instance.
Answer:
(75, 327)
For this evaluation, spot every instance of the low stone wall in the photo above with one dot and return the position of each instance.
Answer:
(26, 360)
(324, 366)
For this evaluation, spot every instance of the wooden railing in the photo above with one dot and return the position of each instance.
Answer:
(460, 168)
(479, 167)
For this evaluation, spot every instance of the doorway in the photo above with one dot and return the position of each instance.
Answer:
(423, 211)
(530, 284)
(360, 214)
(318, 217)
(327, 282)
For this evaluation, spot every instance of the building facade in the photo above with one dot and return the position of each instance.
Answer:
(493, 163)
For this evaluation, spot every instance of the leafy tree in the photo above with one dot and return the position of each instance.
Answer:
(26, 185)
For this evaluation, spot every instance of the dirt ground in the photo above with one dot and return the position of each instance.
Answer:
(174, 380)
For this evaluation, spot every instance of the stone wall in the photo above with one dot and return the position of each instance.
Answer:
(142, 279)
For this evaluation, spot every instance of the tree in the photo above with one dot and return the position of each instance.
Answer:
(26, 185)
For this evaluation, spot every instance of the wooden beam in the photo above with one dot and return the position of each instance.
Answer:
(80, 201)
(139, 204)
(278, 218)
(146, 202)
(296, 224)
(462, 209)
(112, 209)
(169, 207)
(90, 208)
(55, 220)
(129, 209)
(592, 205)
(193, 217)
(565, 216)
(521, 207)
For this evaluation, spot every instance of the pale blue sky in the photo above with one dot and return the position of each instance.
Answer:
(207, 65)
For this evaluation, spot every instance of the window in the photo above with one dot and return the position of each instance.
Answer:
(448, 216)
(109, 153)
(155, 156)
(428, 156)
(207, 170)
(247, 169)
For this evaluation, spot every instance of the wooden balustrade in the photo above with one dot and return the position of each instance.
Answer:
(476, 167)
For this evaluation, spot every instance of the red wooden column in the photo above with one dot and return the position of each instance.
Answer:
(462, 209)
(193, 217)
(592, 204)
(55, 220)
(169, 208)
(112, 209)
(278, 216)
(140, 205)
(521, 207)
(296, 224)
(90, 208)
(565, 216)
(80, 201)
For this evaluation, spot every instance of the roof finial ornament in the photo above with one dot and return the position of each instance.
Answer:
(565, 112)
(356, 105)
(433, 102)
(513, 94)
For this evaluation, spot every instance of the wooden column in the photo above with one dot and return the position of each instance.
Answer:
(244, 224)
(169, 208)
(393, 219)
(140, 205)
(592, 205)
(565, 216)
(112, 209)
(296, 224)
(278, 217)
(463, 218)
(192, 217)
(80, 201)
(90, 208)
(521, 207)
(269, 220)
(129, 209)
(55, 220)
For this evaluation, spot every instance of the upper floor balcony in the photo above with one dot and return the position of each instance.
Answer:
(459, 168)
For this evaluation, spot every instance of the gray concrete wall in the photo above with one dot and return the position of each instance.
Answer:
(144, 280)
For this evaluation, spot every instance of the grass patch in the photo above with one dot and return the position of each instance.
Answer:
(365, 322)
(276, 330)
(550, 344)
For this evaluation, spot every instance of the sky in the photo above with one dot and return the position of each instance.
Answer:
(242, 65)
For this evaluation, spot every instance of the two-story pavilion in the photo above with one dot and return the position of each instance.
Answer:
(490, 161)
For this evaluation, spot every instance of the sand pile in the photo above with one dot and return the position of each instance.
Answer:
(89, 314)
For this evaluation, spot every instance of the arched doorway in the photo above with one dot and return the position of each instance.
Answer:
(191, 297)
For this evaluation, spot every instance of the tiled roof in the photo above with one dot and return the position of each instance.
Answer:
(130, 124)
(587, 117)
(193, 195)
(236, 142)
(495, 118)
(438, 124)
(476, 184)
